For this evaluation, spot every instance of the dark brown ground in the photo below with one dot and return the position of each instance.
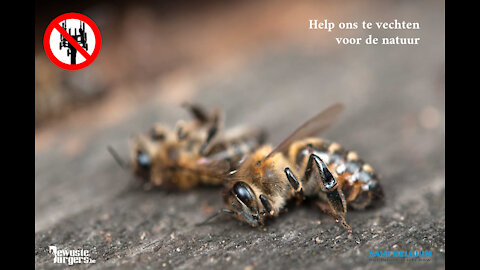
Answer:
(260, 65)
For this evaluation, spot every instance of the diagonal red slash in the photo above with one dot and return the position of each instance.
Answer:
(72, 41)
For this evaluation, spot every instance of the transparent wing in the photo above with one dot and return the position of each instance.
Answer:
(231, 151)
(213, 166)
(314, 126)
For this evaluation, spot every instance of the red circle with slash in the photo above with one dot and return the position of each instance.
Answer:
(55, 24)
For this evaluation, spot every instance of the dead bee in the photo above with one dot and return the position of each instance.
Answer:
(193, 153)
(268, 178)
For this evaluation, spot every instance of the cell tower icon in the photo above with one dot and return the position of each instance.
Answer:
(81, 38)
(79, 53)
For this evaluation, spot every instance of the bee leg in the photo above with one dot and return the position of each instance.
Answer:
(197, 112)
(181, 131)
(202, 118)
(266, 205)
(329, 185)
(157, 133)
(297, 185)
(212, 133)
(328, 182)
(326, 208)
(354, 192)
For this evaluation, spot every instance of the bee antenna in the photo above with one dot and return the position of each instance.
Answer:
(117, 157)
(223, 210)
(247, 217)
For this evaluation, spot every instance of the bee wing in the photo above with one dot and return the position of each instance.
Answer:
(213, 167)
(314, 126)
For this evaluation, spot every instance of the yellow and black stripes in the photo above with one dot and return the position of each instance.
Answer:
(356, 178)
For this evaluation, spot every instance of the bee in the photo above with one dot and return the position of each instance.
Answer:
(301, 166)
(193, 153)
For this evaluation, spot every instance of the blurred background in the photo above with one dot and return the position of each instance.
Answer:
(259, 62)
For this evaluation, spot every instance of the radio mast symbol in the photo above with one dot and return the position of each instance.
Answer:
(81, 38)
(74, 40)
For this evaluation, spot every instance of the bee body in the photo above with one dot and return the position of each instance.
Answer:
(301, 166)
(357, 179)
(180, 164)
(194, 153)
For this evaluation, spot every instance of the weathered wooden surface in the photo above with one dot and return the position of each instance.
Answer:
(395, 100)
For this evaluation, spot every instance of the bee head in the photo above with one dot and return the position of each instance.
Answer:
(241, 199)
(143, 164)
(145, 152)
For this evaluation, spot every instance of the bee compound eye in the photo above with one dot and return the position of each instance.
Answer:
(243, 192)
(143, 159)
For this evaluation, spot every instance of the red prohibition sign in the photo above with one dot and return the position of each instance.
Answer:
(55, 24)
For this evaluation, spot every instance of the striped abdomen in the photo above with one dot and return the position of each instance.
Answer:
(358, 180)
(235, 148)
